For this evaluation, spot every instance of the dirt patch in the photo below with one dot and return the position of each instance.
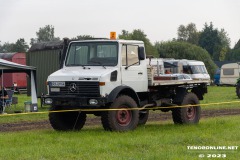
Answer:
(153, 116)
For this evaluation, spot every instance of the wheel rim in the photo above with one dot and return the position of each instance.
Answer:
(124, 117)
(191, 113)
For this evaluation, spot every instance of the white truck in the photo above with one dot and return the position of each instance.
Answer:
(114, 79)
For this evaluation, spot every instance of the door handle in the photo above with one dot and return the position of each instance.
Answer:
(140, 73)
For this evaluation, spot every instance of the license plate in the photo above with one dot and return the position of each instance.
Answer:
(58, 84)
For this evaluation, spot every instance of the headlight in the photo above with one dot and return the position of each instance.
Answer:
(93, 102)
(48, 101)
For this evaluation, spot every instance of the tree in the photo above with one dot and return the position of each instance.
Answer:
(19, 46)
(125, 35)
(184, 50)
(138, 34)
(215, 42)
(45, 34)
(82, 37)
(237, 45)
(188, 33)
(234, 54)
(6, 47)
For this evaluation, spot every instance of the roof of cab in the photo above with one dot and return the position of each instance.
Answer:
(111, 40)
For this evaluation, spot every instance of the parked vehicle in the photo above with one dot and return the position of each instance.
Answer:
(196, 69)
(229, 74)
(114, 79)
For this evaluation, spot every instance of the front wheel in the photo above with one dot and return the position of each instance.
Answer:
(65, 121)
(124, 118)
(187, 115)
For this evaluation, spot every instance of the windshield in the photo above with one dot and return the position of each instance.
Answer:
(92, 54)
(198, 69)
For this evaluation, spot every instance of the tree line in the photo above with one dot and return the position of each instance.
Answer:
(44, 34)
(208, 45)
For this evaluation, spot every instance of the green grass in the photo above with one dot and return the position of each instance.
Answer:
(218, 95)
(159, 140)
(155, 140)
(20, 108)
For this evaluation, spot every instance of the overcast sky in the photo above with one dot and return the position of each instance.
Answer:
(159, 19)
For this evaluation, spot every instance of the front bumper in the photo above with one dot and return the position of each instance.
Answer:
(74, 101)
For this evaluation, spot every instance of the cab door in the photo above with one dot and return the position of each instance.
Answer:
(133, 71)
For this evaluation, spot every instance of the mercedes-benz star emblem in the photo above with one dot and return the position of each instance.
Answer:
(73, 87)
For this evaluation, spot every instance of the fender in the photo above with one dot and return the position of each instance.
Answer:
(123, 90)
(200, 91)
(180, 93)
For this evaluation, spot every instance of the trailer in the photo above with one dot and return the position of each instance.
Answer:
(113, 79)
(18, 81)
(229, 74)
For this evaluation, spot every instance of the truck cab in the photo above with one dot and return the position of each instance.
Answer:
(95, 68)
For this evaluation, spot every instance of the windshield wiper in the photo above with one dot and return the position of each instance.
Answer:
(84, 67)
(98, 63)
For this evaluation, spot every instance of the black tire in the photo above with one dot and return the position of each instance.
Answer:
(238, 90)
(66, 121)
(143, 117)
(187, 115)
(121, 120)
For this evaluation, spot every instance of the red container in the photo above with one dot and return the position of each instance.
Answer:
(19, 79)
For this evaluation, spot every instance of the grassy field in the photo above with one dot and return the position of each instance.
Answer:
(158, 140)
(155, 140)
(220, 94)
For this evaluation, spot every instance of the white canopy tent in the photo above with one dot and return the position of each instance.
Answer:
(11, 67)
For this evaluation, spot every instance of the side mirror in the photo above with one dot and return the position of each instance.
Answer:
(141, 54)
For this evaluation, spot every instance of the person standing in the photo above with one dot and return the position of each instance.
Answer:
(3, 96)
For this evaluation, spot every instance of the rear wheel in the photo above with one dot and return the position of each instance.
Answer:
(187, 115)
(65, 121)
(121, 120)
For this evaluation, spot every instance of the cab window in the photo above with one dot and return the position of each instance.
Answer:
(130, 55)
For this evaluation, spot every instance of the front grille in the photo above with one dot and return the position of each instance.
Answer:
(80, 89)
